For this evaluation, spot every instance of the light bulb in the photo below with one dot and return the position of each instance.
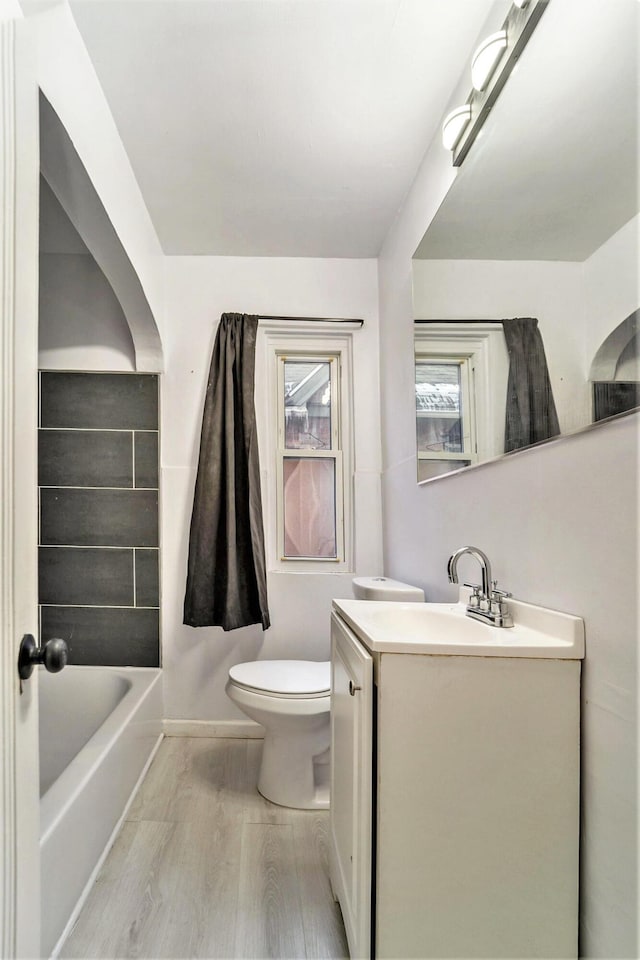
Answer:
(454, 125)
(486, 58)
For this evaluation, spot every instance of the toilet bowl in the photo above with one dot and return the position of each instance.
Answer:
(291, 699)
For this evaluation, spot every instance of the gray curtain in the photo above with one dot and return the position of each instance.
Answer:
(226, 578)
(531, 412)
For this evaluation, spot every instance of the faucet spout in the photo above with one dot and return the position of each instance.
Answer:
(483, 560)
(488, 605)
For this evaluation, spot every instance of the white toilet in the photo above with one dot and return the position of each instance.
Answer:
(291, 700)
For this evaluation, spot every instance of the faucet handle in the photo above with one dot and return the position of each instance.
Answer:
(498, 594)
(474, 599)
(497, 604)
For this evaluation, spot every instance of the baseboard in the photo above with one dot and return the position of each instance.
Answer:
(236, 729)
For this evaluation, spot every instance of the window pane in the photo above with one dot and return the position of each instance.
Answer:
(307, 405)
(309, 507)
(439, 407)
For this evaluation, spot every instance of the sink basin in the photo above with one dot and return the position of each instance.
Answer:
(444, 628)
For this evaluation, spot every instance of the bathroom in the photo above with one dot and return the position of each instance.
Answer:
(557, 521)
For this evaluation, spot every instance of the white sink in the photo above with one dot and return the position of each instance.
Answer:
(444, 628)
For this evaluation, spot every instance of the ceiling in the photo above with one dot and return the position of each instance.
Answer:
(277, 127)
(554, 172)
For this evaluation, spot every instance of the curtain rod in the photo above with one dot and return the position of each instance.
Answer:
(458, 320)
(315, 319)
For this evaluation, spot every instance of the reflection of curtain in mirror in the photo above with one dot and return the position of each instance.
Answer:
(309, 507)
(530, 411)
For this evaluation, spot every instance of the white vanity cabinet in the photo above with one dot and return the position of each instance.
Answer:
(455, 799)
(352, 698)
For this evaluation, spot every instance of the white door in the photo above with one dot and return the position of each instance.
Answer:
(19, 805)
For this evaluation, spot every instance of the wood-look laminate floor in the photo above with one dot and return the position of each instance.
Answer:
(204, 867)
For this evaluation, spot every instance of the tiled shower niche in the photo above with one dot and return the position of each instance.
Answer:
(98, 478)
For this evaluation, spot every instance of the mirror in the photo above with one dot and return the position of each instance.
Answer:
(540, 222)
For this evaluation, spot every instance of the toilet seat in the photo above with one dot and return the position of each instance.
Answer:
(287, 679)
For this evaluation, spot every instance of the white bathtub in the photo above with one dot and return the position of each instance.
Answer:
(99, 727)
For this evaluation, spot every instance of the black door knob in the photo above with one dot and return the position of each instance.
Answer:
(53, 654)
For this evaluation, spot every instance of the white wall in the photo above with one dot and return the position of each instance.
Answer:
(559, 525)
(198, 290)
(611, 284)
(81, 326)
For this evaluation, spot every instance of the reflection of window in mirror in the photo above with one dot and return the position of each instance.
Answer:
(460, 388)
(445, 421)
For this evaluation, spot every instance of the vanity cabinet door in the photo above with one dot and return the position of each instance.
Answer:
(351, 784)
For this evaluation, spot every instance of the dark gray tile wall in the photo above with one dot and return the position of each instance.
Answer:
(105, 636)
(99, 401)
(98, 475)
(101, 518)
(85, 458)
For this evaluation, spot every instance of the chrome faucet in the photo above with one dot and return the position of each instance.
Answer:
(486, 602)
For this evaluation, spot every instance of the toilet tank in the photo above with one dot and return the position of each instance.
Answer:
(383, 588)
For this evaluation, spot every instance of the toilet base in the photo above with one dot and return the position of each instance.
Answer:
(294, 771)
(290, 777)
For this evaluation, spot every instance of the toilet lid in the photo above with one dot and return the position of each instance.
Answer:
(294, 678)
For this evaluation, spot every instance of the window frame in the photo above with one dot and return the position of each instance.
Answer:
(484, 344)
(469, 453)
(304, 344)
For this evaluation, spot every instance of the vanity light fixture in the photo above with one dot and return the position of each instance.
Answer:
(454, 126)
(486, 58)
(491, 65)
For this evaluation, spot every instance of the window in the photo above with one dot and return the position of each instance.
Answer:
(309, 468)
(461, 370)
(445, 414)
(305, 423)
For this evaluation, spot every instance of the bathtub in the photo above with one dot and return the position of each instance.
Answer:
(99, 728)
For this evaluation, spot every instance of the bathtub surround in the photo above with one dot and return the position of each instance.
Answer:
(226, 575)
(98, 478)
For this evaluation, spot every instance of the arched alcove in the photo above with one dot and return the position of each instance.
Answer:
(615, 370)
(614, 348)
(81, 323)
(72, 188)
